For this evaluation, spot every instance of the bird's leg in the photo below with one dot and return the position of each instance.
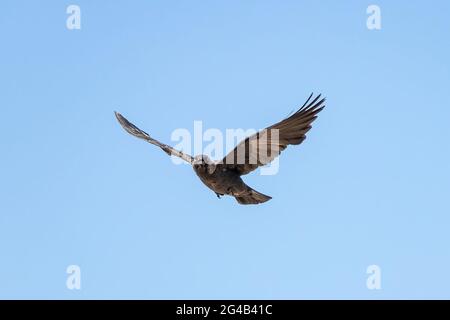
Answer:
(218, 195)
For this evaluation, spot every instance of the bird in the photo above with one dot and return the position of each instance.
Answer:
(224, 177)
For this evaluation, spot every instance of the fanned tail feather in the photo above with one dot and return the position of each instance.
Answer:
(253, 197)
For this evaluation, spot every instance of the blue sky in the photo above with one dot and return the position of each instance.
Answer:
(370, 185)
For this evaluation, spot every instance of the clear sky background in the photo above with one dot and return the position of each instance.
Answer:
(370, 185)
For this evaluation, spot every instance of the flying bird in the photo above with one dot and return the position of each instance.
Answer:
(224, 176)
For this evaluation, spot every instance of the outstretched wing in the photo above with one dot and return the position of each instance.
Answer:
(261, 148)
(135, 131)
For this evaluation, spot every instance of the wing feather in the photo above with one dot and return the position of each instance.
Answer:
(264, 146)
(135, 131)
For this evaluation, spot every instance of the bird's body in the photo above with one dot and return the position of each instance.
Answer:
(219, 179)
(224, 176)
(225, 181)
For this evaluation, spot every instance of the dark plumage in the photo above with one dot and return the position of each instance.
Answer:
(224, 177)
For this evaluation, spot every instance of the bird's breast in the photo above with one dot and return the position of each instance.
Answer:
(220, 180)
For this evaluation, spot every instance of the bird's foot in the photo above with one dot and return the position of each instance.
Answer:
(218, 195)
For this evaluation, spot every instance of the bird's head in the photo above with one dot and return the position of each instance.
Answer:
(203, 163)
(201, 160)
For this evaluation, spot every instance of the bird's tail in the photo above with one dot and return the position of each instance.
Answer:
(253, 197)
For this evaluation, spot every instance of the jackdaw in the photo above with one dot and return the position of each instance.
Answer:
(224, 176)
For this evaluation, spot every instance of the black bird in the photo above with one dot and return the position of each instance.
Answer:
(224, 177)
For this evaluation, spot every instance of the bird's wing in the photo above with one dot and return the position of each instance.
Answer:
(135, 131)
(261, 148)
